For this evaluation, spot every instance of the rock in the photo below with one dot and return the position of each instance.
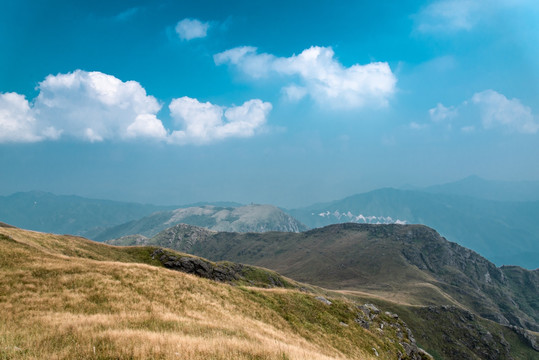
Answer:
(323, 299)
(392, 315)
(372, 308)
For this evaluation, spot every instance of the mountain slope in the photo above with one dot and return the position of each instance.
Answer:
(477, 187)
(65, 297)
(249, 218)
(62, 214)
(504, 232)
(407, 263)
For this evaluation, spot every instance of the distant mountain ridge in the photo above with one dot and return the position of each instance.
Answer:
(504, 232)
(68, 214)
(248, 218)
(478, 187)
(380, 259)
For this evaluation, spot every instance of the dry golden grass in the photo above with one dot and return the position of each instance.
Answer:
(69, 298)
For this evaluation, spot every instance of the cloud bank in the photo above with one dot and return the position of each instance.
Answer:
(495, 110)
(188, 29)
(318, 74)
(94, 107)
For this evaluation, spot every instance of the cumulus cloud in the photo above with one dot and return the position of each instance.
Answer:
(441, 113)
(495, 111)
(320, 76)
(499, 111)
(188, 29)
(17, 122)
(206, 122)
(94, 106)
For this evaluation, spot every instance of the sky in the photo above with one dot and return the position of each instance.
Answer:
(282, 102)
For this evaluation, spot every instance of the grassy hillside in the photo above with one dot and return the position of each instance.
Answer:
(409, 264)
(64, 297)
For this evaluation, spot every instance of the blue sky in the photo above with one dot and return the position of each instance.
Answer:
(289, 103)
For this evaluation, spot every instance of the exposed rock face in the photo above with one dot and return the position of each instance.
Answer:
(372, 319)
(222, 271)
(530, 339)
(130, 240)
(198, 266)
(464, 336)
(181, 236)
(464, 269)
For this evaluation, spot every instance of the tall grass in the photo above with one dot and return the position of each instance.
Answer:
(69, 298)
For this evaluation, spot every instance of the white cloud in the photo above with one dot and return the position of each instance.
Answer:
(146, 125)
(127, 14)
(188, 29)
(499, 111)
(206, 122)
(321, 76)
(96, 107)
(441, 113)
(449, 16)
(495, 111)
(417, 126)
(17, 122)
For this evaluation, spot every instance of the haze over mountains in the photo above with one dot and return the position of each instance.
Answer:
(505, 232)
(249, 218)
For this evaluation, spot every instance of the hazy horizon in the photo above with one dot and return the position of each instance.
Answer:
(267, 102)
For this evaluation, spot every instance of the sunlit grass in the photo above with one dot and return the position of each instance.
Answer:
(69, 298)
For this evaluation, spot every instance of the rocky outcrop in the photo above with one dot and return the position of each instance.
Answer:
(371, 318)
(221, 271)
(181, 236)
(130, 240)
(464, 335)
(198, 266)
(528, 337)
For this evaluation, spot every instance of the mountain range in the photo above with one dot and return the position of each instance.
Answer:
(67, 297)
(506, 232)
(248, 218)
(477, 187)
(411, 262)
(68, 214)
(485, 216)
